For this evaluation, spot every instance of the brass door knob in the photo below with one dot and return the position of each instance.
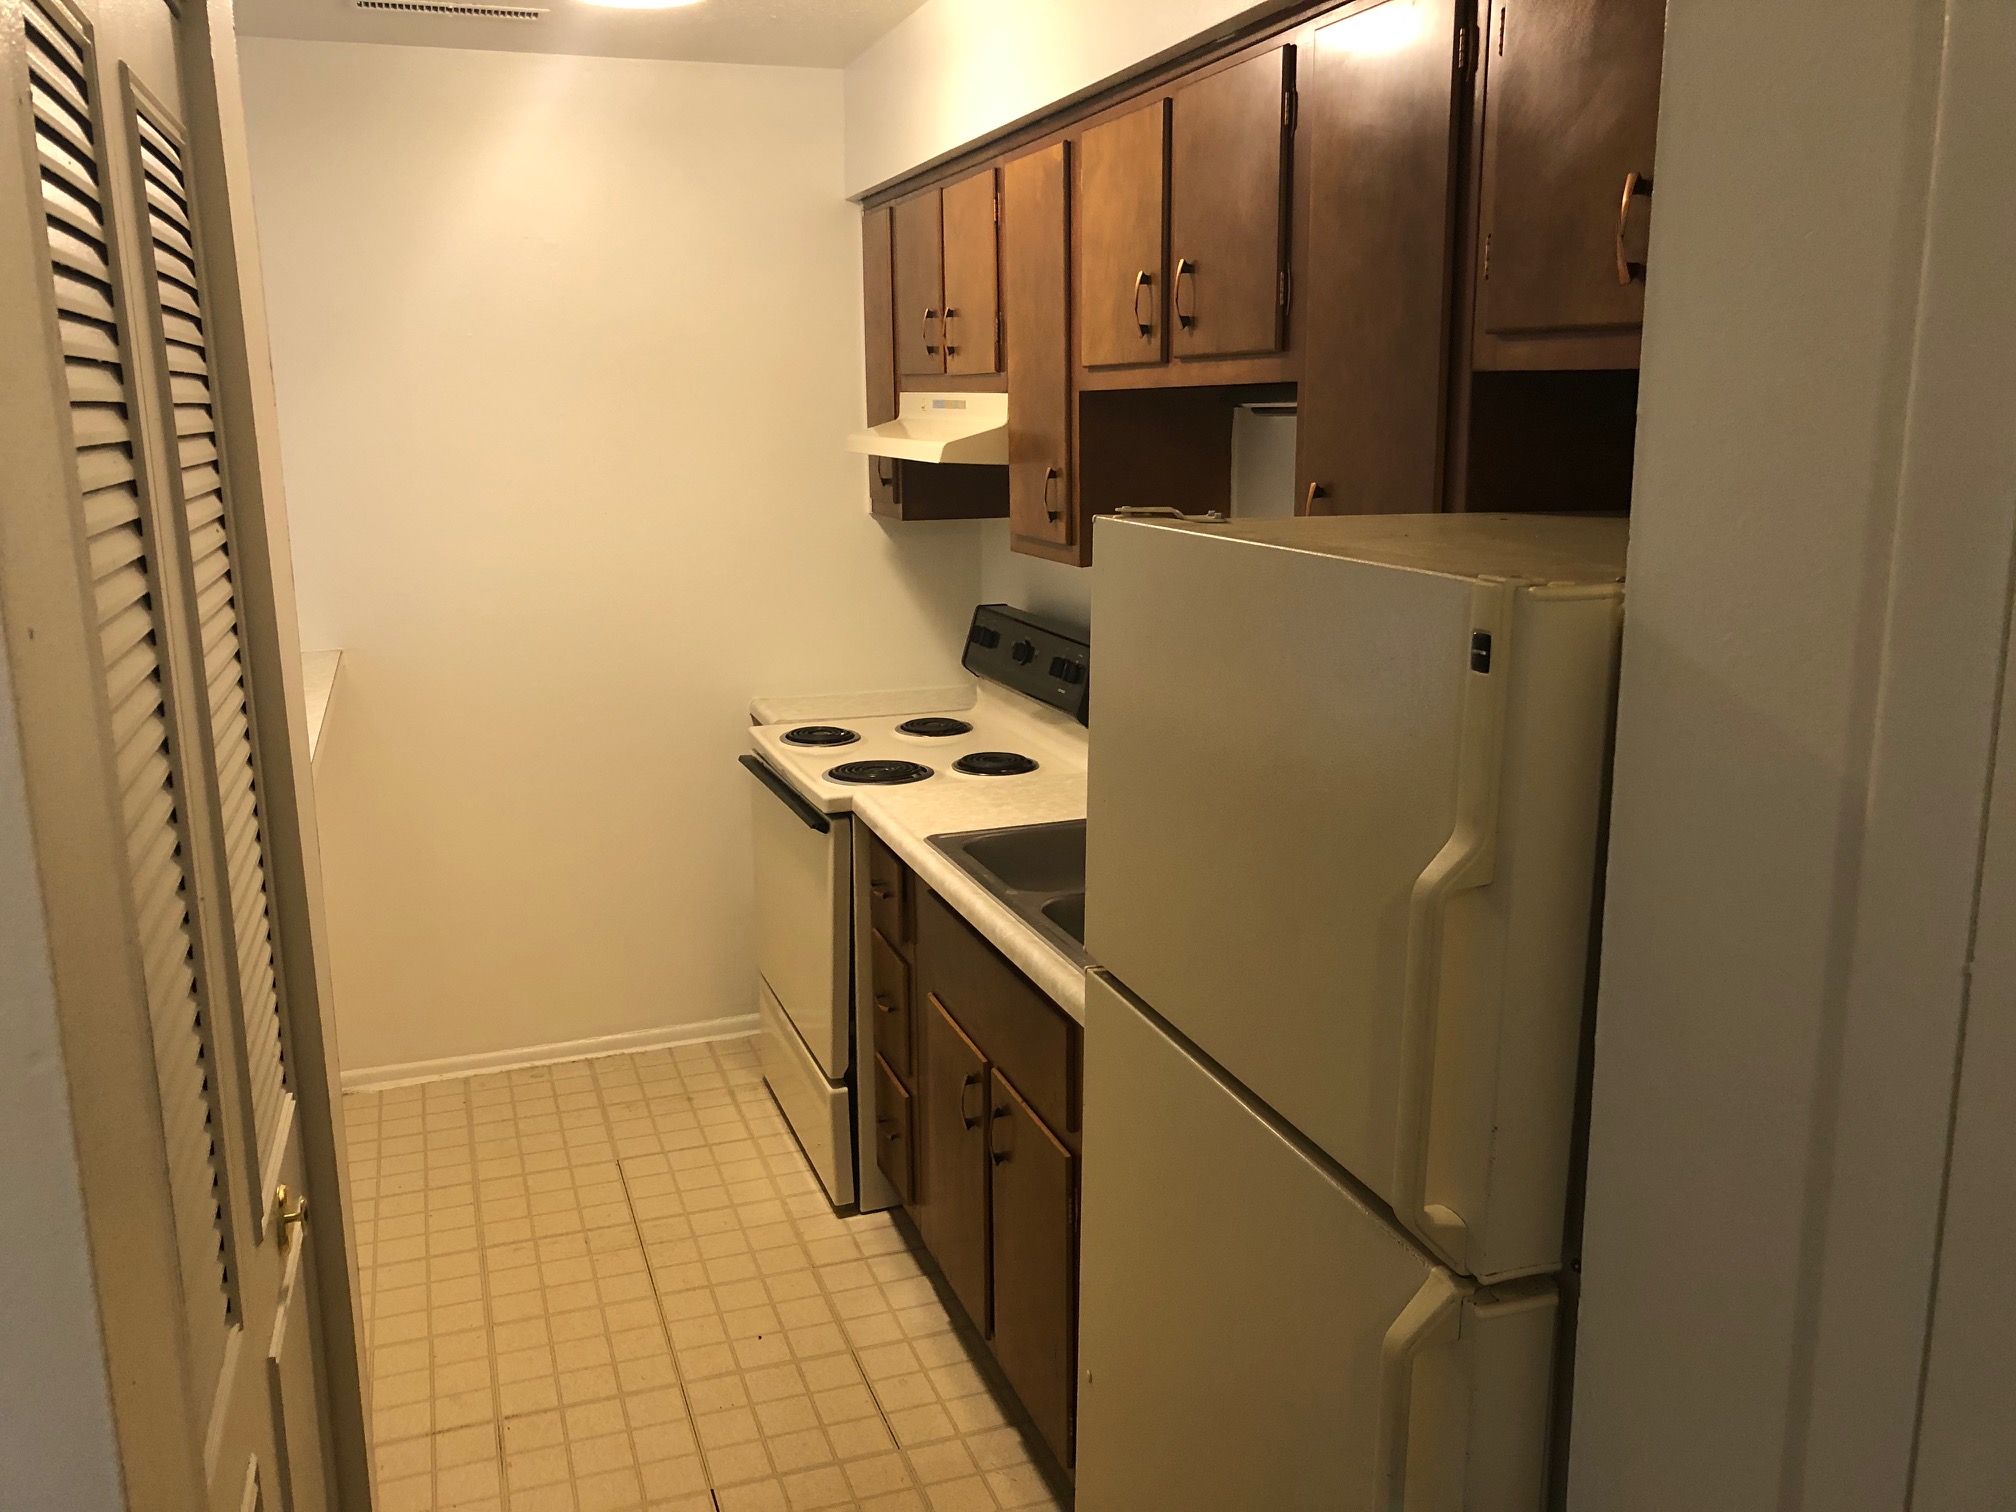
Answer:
(290, 1218)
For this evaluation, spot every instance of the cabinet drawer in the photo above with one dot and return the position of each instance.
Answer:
(894, 1131)
(1018, 1029)
(889, 988)
(888, 894)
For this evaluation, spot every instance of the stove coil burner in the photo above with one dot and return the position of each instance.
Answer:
(935, 726)
(878, 773)
(820, 735)
(994, 764)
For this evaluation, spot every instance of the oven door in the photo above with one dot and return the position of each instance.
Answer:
(803, 907)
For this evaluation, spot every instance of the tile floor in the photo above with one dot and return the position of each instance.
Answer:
(615, 1284)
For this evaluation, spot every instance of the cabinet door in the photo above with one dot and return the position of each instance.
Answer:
(878, 339)
(1035, 256)
(1571, 110)
(1123, 176)
(1378, 121)
(1035, 1263)
(1228, 209)
(973, 275)
(894, 1129)
(953, 1209)
(920, 284)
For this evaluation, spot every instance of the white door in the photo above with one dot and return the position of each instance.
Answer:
(1255, 1336)
(124, 609)
(1348, 847)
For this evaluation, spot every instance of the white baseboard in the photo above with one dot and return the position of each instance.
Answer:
(372, 1078)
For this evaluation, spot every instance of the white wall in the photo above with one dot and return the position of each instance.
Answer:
(957, 69)
(57, 1449)
(1819, 589)
(564, 347)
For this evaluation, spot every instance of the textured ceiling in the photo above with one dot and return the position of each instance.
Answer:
(799, 33)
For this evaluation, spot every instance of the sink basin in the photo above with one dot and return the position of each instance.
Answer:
(1046, 858)
(1068, 914)
(1037, 870)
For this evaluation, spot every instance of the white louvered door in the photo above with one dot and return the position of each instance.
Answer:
(98, 95)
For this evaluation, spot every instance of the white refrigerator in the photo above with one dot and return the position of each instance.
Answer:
(1346, 798)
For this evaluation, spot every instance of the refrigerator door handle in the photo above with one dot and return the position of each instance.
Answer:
(1428, 1320)
(1465, 861)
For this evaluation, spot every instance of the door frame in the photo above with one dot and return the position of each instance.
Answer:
(75, 815)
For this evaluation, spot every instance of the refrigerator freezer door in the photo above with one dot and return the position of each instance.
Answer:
(1348, 848)
(1254, 1334)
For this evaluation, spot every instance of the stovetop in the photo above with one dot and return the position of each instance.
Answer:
(1001, 739)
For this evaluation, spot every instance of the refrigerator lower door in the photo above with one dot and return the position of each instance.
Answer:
(1254, 1334)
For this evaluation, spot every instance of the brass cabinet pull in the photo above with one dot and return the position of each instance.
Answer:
(1634, 184)
(1316, 491)
(1050, 477)
(929, 316)
(1147, 323)
(971, 1120)
(290, 1218)
(1185, 269)
(1000, 1156)
(880, 891)
(884, 1004)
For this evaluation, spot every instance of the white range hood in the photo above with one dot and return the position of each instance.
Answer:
(941, 428)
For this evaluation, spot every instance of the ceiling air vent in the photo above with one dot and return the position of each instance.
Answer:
(453, 8)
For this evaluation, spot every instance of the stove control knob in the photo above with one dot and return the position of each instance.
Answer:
(1066, 670)
(1024, 652)
(985, 637)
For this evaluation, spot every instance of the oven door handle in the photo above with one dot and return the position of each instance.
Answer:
(813, 818)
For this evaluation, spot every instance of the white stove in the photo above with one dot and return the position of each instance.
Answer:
(1022, 721)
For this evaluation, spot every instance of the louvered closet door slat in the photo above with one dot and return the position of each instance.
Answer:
(181, 349)
(72, 204)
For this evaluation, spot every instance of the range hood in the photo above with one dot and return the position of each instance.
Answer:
(941, 428)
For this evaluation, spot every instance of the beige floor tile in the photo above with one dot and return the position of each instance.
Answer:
(615, 1286)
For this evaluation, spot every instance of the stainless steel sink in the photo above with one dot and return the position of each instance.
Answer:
(1037, 870)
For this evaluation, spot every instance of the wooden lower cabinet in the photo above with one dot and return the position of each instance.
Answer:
(952, 1210)
(895, 1131)
(977, 1113)
(1034, 1208)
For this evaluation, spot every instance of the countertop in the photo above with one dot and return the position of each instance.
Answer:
(906, 818)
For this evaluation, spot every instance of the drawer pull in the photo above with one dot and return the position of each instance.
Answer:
(1000, 1156)
(880, 891)
(971, 1120)
(884, 1004)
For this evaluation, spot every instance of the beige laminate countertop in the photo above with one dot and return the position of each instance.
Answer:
(906, 818)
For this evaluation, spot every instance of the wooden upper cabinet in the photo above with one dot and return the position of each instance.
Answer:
(1122, 203)
(919, 234)
(1570, 116)
(973, 275)
(1378, 121)
(878, 330)
(1228, 208)
(1036, 274)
